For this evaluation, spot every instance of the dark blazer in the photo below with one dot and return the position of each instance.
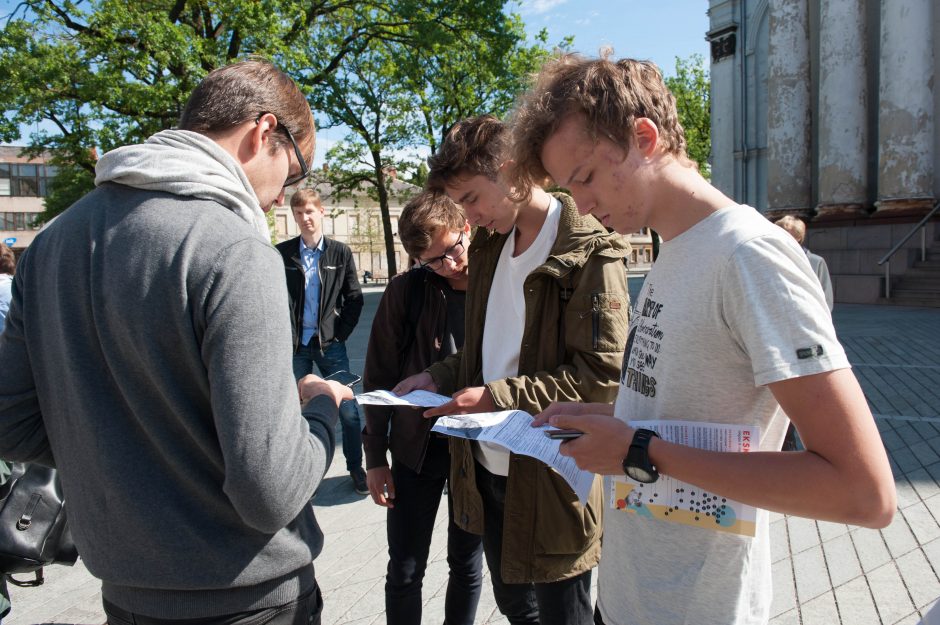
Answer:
(340, 293)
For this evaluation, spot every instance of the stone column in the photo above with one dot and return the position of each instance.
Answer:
(905, 115)
(843, 125)
(789, 118)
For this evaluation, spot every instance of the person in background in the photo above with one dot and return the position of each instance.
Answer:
(325, 304)
(146, 355)
(420, 321)
(7, 269)
(731, 329)
(797, 229)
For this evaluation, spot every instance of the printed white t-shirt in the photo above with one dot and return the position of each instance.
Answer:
(730, 306)
(505, 319)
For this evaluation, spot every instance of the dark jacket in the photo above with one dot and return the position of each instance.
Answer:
(340, 293)
(395, 352)
(572, 348)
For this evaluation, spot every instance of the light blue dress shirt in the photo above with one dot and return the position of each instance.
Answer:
(310, 258)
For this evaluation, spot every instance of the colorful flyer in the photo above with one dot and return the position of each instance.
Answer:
(675, 501)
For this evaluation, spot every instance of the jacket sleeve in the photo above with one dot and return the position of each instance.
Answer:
(23, 436)
(321, 415)
(382, 369)
(352, 299)
(445, 373)
(596, 321)
(272, 463)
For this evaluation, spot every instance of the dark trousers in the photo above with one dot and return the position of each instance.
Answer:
(304, 610)
(410, 526)
(566, 602)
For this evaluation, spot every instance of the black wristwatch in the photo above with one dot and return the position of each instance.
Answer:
(637, 464)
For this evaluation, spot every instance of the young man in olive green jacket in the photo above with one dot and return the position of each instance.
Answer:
(571, 308)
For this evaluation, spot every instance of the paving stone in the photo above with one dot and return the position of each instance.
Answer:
(898, 537)
(922, 523)
(919, 577)
(905, 460)
(891, 597)
(812, 579)
(856, 604)
(779, 542)
(870, 548)
(841, 560)
(925, 453)
(787, 618)
(828, 531)
(784, 590)
(820, 611)
(803, 533)
(923, 482)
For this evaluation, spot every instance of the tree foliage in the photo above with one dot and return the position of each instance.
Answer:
(104, 73)
(691, 87)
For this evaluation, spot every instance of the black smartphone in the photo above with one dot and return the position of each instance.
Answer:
(344, 377)
(563, 434)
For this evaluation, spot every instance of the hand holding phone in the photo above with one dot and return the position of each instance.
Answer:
(344, 377)
(563, 434)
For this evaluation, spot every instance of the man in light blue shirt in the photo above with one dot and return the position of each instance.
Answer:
(326, 301)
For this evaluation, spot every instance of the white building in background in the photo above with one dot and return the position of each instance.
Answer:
(22, 189)
(827, 109)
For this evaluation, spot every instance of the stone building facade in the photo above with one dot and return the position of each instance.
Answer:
(827, 109)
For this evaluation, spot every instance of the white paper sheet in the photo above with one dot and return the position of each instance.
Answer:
(421, 399)
(511, 429)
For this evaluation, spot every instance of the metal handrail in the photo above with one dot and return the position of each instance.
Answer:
(886, 261)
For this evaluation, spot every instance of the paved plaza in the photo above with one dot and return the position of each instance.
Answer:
(824, 573)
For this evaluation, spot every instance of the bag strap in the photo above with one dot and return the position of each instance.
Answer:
(28, 583)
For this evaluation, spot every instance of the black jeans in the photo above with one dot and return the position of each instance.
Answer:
(410, 526)
(304, 610)
(566, 602)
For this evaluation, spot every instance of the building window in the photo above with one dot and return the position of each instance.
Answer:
(24, 179)
(18, 221)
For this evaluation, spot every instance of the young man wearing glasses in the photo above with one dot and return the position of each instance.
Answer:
(325, 304)
(152, 367)
(548, 303)
(420, 321)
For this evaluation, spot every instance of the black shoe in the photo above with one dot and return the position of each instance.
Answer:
(358, 476)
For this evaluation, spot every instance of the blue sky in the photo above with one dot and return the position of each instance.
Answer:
(644, 29)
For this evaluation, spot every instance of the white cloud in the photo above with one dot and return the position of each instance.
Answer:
(538, 7)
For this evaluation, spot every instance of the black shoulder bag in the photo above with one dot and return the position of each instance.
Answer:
(34, 531)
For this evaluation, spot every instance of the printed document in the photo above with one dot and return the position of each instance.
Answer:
(421, 399)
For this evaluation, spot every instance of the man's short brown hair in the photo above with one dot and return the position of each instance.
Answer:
(608, 95)
(474, 146)
(302, 196)
(7, 260)
(424, 216)
(242, 92)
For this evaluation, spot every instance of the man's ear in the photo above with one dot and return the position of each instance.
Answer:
(646, 135)
(259, 137)
(466, 227)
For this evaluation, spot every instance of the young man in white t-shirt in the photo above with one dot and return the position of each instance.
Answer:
(731, 329)
(538, 269)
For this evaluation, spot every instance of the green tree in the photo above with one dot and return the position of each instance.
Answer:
(396, 98)
(105, 73)
(691, 87)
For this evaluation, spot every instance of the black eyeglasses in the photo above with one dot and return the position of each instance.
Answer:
(304, 170)
(452, 253)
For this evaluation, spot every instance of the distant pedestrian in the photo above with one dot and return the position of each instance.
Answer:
(420, 321)
(730, 330)
(797, 229)
(7, 269)
(146, 355)
(325, 304)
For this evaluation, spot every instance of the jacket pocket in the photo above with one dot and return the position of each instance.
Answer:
(598, 322)
(565, 527)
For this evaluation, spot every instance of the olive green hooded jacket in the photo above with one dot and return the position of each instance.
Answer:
(572, 348)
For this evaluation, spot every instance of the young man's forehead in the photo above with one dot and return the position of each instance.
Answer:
(307, 205)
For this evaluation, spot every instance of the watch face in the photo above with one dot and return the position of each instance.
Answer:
(641, 475)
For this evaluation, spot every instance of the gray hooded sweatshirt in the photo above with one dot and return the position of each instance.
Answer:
(147, 355)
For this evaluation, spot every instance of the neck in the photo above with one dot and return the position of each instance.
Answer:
(459, 283)
(311, 240)
(531, 218)
(684, 199)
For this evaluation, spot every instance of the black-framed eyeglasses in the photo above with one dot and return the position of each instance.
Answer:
(304, 170)
(452, 253)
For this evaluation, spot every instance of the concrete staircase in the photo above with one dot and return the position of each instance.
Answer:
(919, 285)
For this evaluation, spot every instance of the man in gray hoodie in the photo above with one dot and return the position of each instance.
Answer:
(147, 355)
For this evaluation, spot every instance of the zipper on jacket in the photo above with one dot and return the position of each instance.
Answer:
(595, 319)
